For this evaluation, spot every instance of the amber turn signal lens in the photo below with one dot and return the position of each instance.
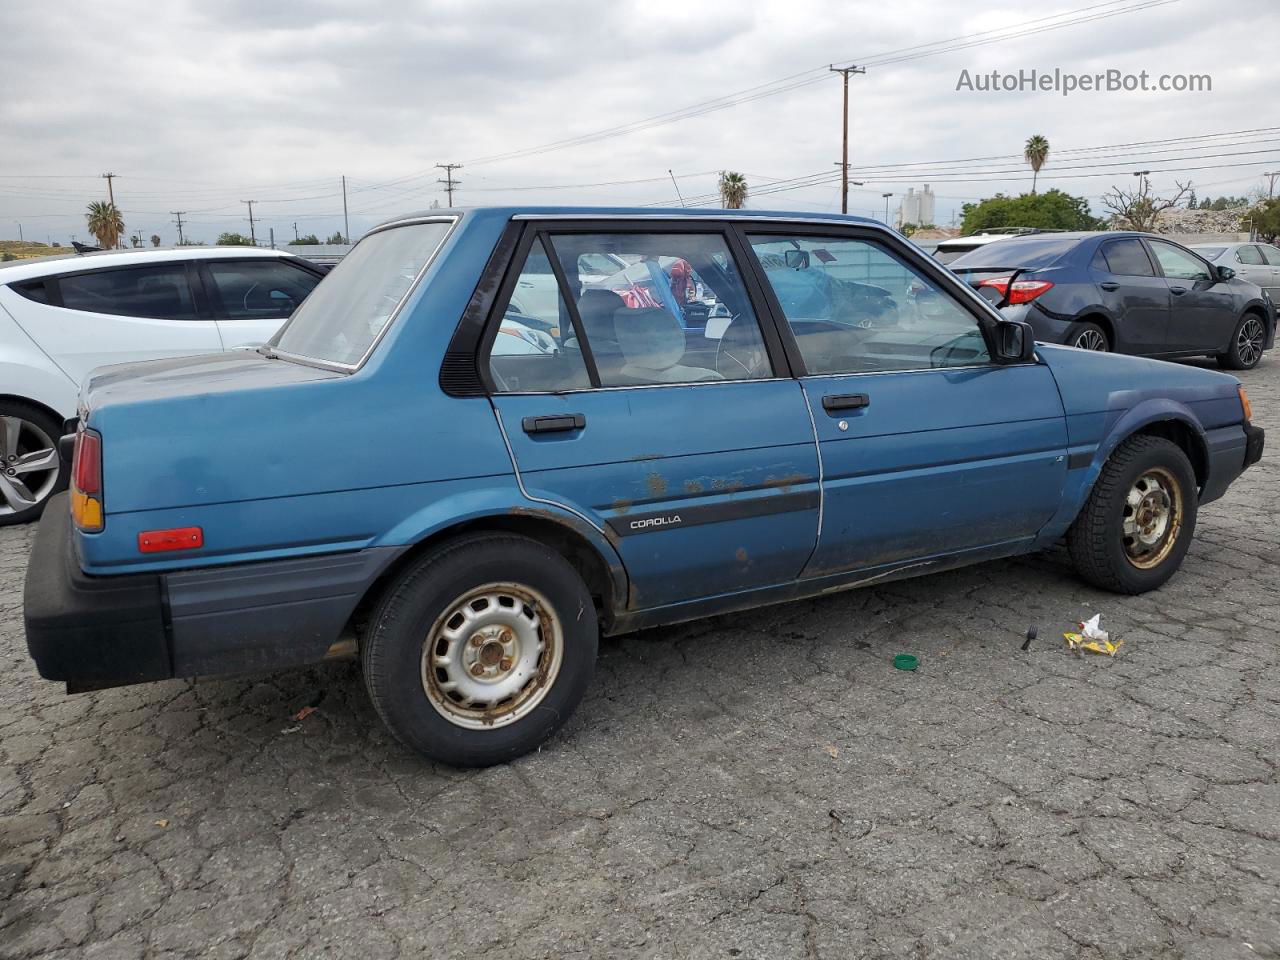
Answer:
(1244, 404)
(86, 512)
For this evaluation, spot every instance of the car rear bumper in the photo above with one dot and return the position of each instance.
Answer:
(94, 632)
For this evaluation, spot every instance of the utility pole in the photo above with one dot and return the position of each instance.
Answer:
(450, 184)
(178, 221)
(253, 239)
(844, 153)
(111, 194)
(677, 186)
(295, 231)
(1271, 183)
(20, 240)
(886, 207)
(273, 238)
(346, 227)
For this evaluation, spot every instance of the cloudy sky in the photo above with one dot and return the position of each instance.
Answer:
(199, 106)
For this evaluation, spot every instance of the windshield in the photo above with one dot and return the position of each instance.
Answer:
(1031, 253)
(357, 299)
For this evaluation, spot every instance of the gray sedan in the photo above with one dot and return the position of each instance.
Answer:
(1256, 262)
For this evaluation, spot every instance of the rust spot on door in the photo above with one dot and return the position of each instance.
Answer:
(621, 506)
(657, 484)
(692, 486)
(741, 555)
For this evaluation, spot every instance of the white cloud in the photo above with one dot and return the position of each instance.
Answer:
(201, 105)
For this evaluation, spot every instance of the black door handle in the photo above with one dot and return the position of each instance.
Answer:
(846, 401)
(554, 423)
(1177, 291)
(1109, 285)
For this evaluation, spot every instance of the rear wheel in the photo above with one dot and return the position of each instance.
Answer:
(1137, 525)
(1246, 344)
(480, 650)
(30, 469)
(1090, 336)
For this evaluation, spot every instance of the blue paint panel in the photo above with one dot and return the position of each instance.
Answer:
(668, 449)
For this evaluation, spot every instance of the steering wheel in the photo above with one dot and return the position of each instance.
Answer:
(740, 353)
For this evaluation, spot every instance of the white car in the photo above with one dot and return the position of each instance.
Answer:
(61, 317)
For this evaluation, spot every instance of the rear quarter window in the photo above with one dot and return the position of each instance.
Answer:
(35, 290)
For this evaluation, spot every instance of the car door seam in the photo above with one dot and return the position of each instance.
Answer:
(515, 467)
(822, 487)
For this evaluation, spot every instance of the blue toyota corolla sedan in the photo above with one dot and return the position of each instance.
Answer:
(465, 494)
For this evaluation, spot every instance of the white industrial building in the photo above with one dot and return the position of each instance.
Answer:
(917, 208)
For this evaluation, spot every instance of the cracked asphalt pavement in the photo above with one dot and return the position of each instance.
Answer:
(757, 785)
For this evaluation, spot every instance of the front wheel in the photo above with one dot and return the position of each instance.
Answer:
(1246, 344)
(480, 650)
(1137, 525)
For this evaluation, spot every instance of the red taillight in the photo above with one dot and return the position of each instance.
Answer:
(86, 466)
(1024, 291)
(86, 482)
(161, 541)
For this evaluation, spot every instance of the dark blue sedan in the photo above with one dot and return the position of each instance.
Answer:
(1124, 292)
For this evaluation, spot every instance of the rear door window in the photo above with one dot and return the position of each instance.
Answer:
(1249, 254)
(1127, 258)
(258, 289)
(160, 292)
(1272, 254)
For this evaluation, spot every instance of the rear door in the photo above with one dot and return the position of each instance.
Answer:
(252, 298)
(1250, 264)
(1202, 313)
(1135, 295)
(120, 314)
(696, 457)
(928, 448)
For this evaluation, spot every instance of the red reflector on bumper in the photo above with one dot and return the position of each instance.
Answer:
(160, 541)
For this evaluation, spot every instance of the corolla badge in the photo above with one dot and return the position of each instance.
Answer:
(655, 522)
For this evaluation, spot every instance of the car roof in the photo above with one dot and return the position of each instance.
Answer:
(71, 262)
(624, 213)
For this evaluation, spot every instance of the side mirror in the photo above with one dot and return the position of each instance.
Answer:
(1015, 342)
(1225, 273)
(797, 259)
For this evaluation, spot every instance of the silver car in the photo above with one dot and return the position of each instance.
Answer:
(1256, 262)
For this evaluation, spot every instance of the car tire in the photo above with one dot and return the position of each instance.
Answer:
(1120, 542)
(28, 435)
(1245, 351)
(480, 650)
(1090, 336)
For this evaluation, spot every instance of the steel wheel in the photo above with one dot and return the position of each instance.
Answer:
(492, 656)
(1249, 341)
(1152, 517)
(29, 465)
(1090, 339)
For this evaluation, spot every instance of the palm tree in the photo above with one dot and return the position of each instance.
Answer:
(733, 190)
(105, 223)
(1036, 152)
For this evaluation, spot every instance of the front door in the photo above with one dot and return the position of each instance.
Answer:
(928, 448)
(695, 456)
(1201, 307)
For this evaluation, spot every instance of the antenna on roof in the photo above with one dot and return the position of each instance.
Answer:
(677, 186)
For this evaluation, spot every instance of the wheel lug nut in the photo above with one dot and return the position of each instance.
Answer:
(477, 670)
(477, 641)
(506, 663)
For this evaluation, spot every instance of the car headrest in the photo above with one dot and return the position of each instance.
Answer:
(649, 337)
(597, 307)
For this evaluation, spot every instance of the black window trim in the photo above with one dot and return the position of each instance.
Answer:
(537, 228)
(927, 267)
(53, 284)
(1151, 262)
